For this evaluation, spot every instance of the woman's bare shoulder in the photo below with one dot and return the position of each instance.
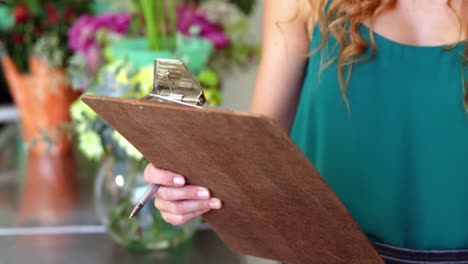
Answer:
(285, 48)
(293, 14)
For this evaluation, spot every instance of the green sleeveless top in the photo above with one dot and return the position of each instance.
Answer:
(398, 160)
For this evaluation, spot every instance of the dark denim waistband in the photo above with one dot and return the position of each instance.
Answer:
(396, 255)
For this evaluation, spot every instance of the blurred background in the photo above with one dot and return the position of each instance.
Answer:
(68, 181)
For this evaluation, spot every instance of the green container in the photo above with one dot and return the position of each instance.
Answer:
(195, 52)
(136, 51)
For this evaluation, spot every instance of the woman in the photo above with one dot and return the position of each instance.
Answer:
(379, 107)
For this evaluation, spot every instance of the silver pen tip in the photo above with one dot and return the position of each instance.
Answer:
(135, 210)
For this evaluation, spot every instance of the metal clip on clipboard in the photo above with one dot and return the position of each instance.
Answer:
(174, 83)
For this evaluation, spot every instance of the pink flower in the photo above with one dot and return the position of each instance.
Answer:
(82, 35)
(75, 38)
(190, 20)
(93, 58)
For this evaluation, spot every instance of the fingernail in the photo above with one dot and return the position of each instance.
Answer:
(203, 193)
(179, 180)
(215, 204)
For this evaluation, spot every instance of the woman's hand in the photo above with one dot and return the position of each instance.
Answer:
(179, 203)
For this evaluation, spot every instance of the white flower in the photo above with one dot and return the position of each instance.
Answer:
(129, 148)
(90, 145)
(216, 11)
(234, 22)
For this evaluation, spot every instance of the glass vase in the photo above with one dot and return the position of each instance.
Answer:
(119, 185)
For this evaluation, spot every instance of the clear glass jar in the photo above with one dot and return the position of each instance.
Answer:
(118, 186)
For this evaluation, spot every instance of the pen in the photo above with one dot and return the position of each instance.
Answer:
(150, 191)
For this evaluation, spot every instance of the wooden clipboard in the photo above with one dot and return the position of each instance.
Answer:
(275, 203)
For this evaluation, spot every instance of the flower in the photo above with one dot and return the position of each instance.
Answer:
(17, 38)
(208, 78)
(47, 48)
(69, 12)
(82, 34)
(76, 34)
(21, 13)
(210, 82)
(83, 37)
(81, 111)
(34, 21)
(192, 22)
(208, 31)
(232, 19)
(82, 115)
(143, 82)
(93, 57)
(118, 79)
(52, 14)
(90, 145)
(114, 79)
(213, 97)
(77, 72)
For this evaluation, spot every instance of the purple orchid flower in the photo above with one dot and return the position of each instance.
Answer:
(76, 40)
(82, 36)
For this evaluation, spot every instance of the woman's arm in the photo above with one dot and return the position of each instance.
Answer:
(284, 55)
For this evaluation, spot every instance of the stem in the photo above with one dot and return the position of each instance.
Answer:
(172, 22)
(161, 25)
(148, 7)
(161, 18)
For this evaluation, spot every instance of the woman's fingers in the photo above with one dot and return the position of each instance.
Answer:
(179, 203)
(189, 192)
(163, 177)
(177, 219)
(187, 207)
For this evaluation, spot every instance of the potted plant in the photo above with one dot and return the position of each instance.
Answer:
(33, 56)
(160, 38)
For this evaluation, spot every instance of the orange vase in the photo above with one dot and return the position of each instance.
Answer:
(43, 99)
(50, 191)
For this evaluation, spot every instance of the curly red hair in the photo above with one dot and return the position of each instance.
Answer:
(343, 25)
